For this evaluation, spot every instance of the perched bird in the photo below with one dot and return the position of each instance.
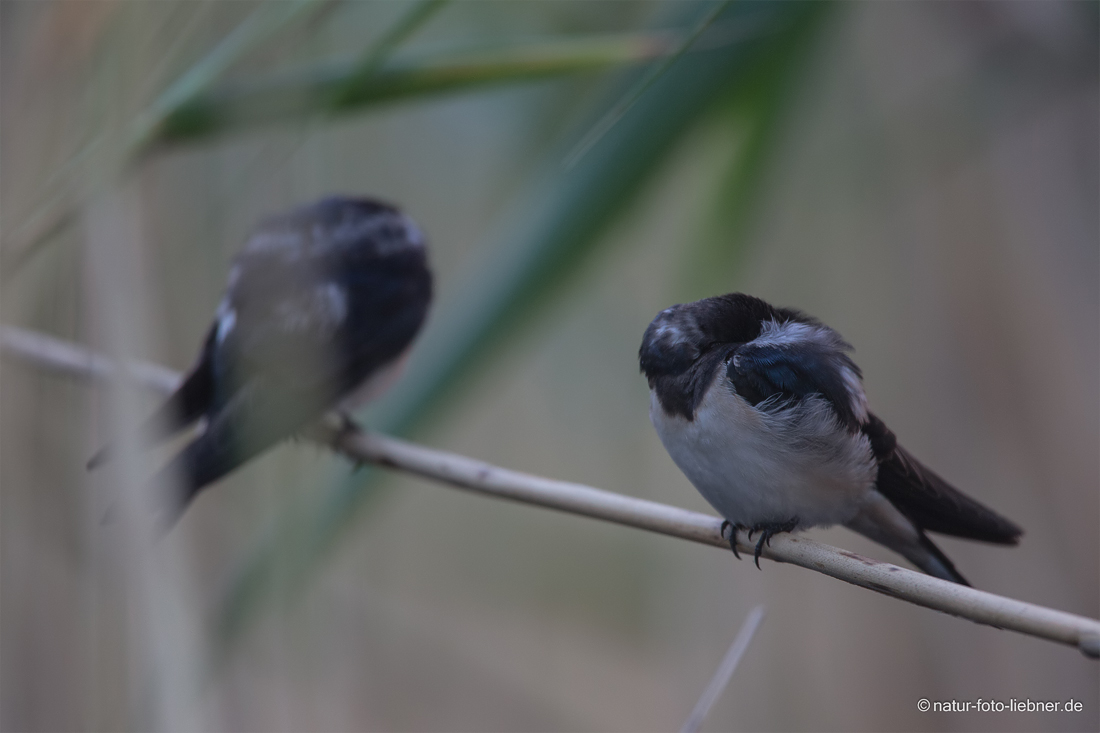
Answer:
(765, 413)
(321, 307)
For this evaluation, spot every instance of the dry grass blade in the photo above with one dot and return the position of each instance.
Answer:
(340, 88)
(381, 50)
(58, 214)
(725, 671)
(554, 229)
(615, 113)
(267, 20)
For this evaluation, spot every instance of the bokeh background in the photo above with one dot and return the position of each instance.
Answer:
(922, 176)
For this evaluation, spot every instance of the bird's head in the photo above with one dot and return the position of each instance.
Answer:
(681, 335)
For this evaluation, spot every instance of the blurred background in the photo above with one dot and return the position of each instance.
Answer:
(924, 177)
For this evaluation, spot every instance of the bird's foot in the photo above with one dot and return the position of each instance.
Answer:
(767, 530)
(733, 530)
(348, 426)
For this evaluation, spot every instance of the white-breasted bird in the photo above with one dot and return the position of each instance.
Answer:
(321, 307)
(764, 411)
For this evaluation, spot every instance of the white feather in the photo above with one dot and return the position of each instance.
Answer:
(322, 308)
(769, 465)
(227, 319)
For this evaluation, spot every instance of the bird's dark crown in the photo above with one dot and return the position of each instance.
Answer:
(685, 344)
(681, 334)
(337, 226)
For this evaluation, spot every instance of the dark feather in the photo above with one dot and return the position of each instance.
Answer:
(318, 301)
(256, 418)
(772, 372)
(951, 573)
(928, 500)
(686, 343)
(326, 246)
(681, 393)
(191, 400)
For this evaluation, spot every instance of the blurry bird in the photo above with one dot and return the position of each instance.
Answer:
(765, 413)
(320, 310)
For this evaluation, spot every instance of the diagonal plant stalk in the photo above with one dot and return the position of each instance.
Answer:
(562, 221)
(59, 212)
(189, 111)
(488, 480)
(759, 110)
(725, 671)
(377, 55)
(259, 27)
(613, 115)
(342, 88)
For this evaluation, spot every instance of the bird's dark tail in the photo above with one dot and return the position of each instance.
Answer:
(910, 499)
(934, 562)
(188, 403)
(250, 423)
(882, 522)
(929, 501)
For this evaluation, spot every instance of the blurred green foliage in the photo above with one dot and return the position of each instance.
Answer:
(562, 222)
(342, 88)
(921, 175)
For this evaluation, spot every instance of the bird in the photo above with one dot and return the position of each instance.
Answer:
(319, 313)
(764, 411)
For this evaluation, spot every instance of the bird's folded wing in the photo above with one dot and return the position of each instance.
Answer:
(326, 331)
(928, 500)
(257, 417)
(760, 373)
(937, 506)
(187, 404)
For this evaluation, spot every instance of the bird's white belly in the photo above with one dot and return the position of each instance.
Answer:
(769, 466)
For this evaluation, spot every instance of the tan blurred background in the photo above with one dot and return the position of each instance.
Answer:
(931, 191)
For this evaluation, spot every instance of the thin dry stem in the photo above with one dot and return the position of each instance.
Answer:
(725, 671)
(467, 473)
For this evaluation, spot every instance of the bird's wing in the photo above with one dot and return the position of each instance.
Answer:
(776, 372)
(928, 500)
(291, 339)
(258, 416)
(187, 404)
(760, 373)
(291, 376)
(323, 325)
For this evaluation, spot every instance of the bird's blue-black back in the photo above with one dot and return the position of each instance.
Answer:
(318, 301)
(686, 344)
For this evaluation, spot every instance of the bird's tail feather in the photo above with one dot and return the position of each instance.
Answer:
(253, 421)
(932, 561)
(937, 506)
(188, 403)
(879, 520)
(927, 499)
